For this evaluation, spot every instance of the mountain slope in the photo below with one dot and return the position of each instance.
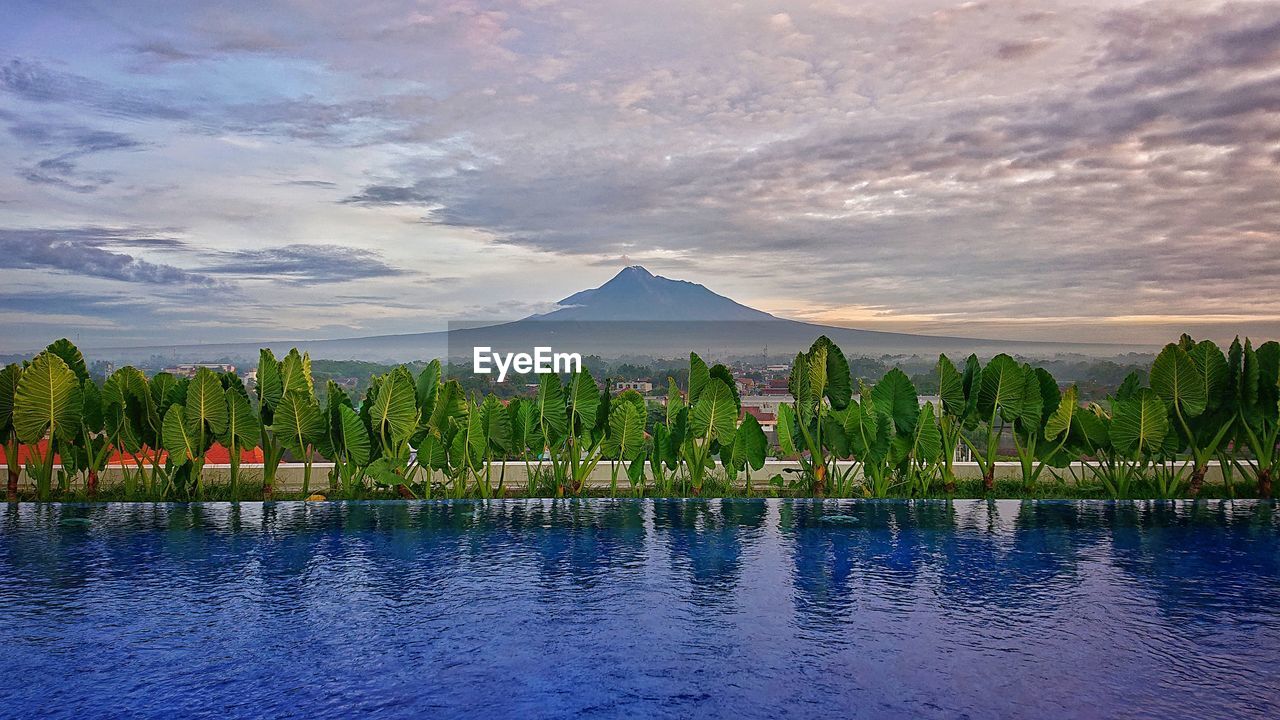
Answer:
(636, 294)
(635, 314)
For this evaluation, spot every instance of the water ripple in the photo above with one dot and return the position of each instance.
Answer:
(547, 608)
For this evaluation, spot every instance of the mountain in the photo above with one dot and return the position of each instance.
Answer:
(637, 294)
(636, 314)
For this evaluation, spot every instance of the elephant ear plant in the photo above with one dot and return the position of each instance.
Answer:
(1008, 394)
(1259, 412)
(8, 433)
(748, 450)
(1190, 378)
(624, 442)
(242, 430)
(191, 427)
(86, 452)
(393, 417)
(713, 422)
(569, 415)
(46, 404)
(668, 438)
(1126, 437)
(813, 427)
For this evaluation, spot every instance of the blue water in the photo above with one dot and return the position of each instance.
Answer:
(740, 609)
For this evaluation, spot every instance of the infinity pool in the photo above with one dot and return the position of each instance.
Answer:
(741, 609)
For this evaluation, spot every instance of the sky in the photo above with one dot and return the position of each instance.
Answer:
(176, 172)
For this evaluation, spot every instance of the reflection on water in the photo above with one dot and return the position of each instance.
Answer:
(544, 608)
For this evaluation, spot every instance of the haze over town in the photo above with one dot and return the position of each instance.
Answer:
(1047, 170)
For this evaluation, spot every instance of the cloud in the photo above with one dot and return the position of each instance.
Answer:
(71, 144)
(376, 195)
(960, 161)
(89, 252)
(324, 184)
(37, 83)
(304, 264)
(163, 51)
(38, 302)
(1021, 49)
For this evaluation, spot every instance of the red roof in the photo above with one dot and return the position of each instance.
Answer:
(217, 455)
(760, 414)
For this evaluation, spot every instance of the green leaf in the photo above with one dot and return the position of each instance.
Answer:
(298, 422)
(584, 401)
(1211, 373)
(355, 436)
(895, 396)
(47, 400)
(972, 382)
(242, 428)
(206, 404)
(818, 369)
(626, 432)
(926, 444)
(92, 416)
(552, 416)
(1049, 397)
(800, 385)
(295, 373)
(1175, 379)
(1028, 411)
(176, 437)
(476, 441)
(675, 401)
(523, 424)
(726, 375)
(839, 380)
(71, 355)
(449, 404)
(1059, 421)
(165, 391)
(660, 449)
(786, 429)
(1129, 386)
(427, 388)
(9, 377)
(1139, 424)
(432, 452)
(1003, 385)
(950, 387)
(750, 444)
(715, 415)
(497, 423)
(270, 387)
(699, 376)
(869, 431)
(393, 413)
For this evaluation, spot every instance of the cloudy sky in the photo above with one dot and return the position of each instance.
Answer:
(1083, 170)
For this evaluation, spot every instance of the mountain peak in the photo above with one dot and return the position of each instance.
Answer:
(637, 294)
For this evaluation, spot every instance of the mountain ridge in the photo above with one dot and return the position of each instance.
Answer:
(637, 294)
(635, 313)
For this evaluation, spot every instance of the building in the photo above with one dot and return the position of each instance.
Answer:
(768, 420)
(775, 386)
(764, 403)
(348, 383)
(188, 370)
(644, 387)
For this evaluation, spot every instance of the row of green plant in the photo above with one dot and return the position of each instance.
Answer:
(1201, 405)
(423, 437)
